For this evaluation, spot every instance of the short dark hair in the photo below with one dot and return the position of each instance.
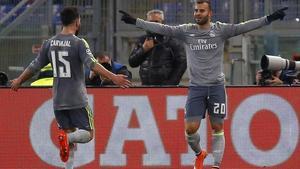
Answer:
(68, 15)
(204, 1)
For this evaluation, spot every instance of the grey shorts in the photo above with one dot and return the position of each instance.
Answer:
(210, 99)
(82, 118)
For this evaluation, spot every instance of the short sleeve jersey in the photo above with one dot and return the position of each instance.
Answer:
(68, 55)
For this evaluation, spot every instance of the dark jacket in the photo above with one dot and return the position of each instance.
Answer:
(164, 64)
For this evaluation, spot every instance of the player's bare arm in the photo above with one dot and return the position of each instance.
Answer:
(16, 83)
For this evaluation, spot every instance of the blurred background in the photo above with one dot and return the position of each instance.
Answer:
(26, 23)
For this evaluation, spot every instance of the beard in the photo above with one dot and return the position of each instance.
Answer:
(77, 32)
(202, 21)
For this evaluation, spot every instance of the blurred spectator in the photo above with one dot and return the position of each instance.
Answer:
(291, 76)
(272, 78)
(45, 76)
(105, 60)
(268, 78)
(162, 59)
(280, 77)
(297, 79)
(3, 79)
(35, 48)
(296, 57)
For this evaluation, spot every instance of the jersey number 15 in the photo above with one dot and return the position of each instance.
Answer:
(64, 70)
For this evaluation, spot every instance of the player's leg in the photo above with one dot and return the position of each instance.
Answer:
(72, 148)
(65, 126)
(195, 111)
(218, 141)
(69, 120)
(70, 163)
(82, 124)
(217, 109)
(193, 139)
(192, 136)
(83, 120)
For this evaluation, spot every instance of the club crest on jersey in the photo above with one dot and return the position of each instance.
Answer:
(212, 34)
(88, 51)
(192, 35)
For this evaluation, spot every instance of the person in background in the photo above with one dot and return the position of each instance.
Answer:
(3, 79)
(106, 61)
(161, 58)
(45, 76)
(268, 78)
(279, 77)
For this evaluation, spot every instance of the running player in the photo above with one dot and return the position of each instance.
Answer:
(204, 43)
(68, 54)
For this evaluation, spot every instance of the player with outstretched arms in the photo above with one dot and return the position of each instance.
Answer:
(204, 45)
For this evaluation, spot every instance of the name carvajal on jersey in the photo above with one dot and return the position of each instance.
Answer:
(203, 45)
(60, 43)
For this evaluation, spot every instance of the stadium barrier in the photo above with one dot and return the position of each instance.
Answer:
(142, 128)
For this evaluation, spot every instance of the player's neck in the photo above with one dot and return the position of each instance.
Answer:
(68, 31)
(205, 26)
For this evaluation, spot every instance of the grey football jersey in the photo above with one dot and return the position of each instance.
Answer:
(67, 54)
(204, 48)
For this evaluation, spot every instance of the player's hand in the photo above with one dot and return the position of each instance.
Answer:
(279, 14)
(127, 18)
(15, 84)
(121, 81)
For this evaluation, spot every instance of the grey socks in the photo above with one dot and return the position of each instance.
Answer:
(194, 142)
(218, 147)
(79, 136)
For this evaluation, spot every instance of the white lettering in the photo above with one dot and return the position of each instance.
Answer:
(202, 41)
(203, 46)
(288, 124)
(59, 43)
(148, 132)
(40, 133)
(40, 138)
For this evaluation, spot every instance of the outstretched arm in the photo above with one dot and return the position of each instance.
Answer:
(231, 30)
(39, 62)
(279, 14)
(151, 26)
(16, 83)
